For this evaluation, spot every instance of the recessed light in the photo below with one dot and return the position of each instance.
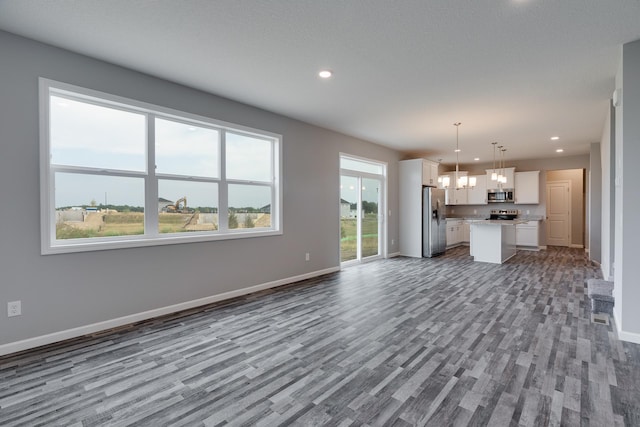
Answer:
(476, 159)
(325, 74)
(559, 150)
(457, 150)
(555, 138)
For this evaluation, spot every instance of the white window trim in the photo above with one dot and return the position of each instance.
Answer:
(384, 216)
(49, 244)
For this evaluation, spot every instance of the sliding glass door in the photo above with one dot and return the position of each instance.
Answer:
(361, 207)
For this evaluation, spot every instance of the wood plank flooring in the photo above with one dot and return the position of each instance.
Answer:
(403, 342)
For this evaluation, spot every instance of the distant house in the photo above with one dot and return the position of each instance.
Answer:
(345, 209)
(163, 203)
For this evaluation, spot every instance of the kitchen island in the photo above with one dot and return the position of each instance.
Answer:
(493, 241)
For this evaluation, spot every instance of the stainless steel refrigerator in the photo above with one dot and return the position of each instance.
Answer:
(434, 224)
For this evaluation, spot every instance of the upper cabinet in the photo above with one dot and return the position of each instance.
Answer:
(510, 174)
(478, 195)
(429, 173)
(456, 196)
(527, 188)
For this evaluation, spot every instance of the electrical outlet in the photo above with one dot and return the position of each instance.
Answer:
(392, 241)
(307, 257)
(14, 308)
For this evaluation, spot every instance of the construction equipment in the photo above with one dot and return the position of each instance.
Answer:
(180, 206)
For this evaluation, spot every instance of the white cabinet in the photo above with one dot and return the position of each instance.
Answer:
(508, 172)
(456, 196)
(527, 188)
(453, 195)
(455, 231)
(467, 196)
(410, 209)
(527, 235)
(412, 178)
(429, 173)
(478, 194)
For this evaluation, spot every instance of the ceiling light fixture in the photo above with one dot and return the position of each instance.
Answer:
(476, 159)
(559, 150)
(325, 74)
(555, 138)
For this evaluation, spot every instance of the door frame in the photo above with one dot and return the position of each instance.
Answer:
(382, 207)
(570, 234)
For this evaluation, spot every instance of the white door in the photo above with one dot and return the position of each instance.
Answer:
(558, 213)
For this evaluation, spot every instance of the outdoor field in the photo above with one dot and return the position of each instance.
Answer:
(348, 240)
(99, 224)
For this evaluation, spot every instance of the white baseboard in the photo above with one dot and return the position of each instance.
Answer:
(626, 336)
(29, 343)
(395, 254)
(576, 246)
(543, 247)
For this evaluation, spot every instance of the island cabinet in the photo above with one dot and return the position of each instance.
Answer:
(493, 241)
(527, 188)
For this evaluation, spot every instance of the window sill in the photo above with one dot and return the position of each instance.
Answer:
(128, 242)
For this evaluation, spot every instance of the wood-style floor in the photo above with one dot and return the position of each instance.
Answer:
(442, 341)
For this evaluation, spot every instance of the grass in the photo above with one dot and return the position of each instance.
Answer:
(122, 224)
(348, 241)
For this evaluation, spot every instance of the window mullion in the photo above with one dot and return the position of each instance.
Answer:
(223, 189)
(151, 182)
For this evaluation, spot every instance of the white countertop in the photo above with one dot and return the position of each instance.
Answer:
(499, 221)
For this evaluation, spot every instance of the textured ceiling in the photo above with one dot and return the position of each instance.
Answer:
(513, 71)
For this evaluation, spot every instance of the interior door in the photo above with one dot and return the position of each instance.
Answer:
(558, 213)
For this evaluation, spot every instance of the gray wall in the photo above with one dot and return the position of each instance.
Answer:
(544, 166)
(627, 203)
(594, 227)
(64, 291)
(607, 158)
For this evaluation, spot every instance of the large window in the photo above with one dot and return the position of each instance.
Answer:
(120, 173)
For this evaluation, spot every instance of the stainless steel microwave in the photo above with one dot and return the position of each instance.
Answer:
(500, 196)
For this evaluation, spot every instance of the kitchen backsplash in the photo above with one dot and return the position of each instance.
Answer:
(483, 211)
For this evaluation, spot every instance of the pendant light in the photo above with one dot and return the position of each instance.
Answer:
(499, 176)
(494, 175)
(504, 176)
(460, 183)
